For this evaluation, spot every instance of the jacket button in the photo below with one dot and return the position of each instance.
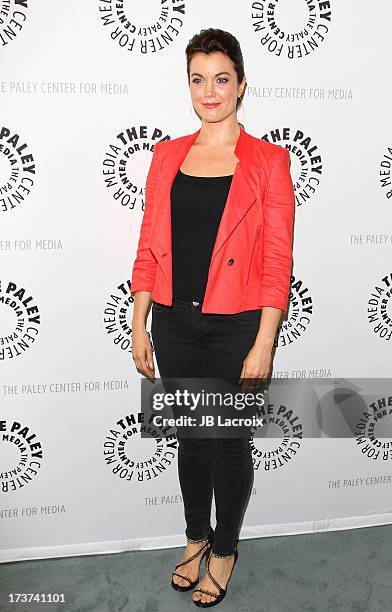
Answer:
(230, 262)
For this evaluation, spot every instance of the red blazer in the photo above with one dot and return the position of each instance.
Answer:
(251, 261)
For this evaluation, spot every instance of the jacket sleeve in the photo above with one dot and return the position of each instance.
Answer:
(279, 209)
(145, 265)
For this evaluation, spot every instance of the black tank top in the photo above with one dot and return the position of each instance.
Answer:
(197, 204)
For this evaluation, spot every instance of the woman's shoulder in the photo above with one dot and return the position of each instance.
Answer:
(266, 147)
(166, 145)
(168, 142)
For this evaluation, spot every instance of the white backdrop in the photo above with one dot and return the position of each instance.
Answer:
(82, 93)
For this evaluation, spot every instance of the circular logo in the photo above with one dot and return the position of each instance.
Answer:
(299, 315)
(285, 433)
(385, 173)
(306, 163)
(117, 317)
(12, 20)
(135, 459)
(17, 169)
(144, 27)
(20, 455)
(373, 430)
(20, 320)
(124, 178)
(291, 29)
(380, 308)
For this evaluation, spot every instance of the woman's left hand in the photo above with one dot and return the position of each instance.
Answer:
(257, 365)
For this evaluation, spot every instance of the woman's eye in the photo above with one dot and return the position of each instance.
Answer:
(223, 79)
(195, 79)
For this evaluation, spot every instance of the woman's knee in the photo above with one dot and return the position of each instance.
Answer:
(231, 449)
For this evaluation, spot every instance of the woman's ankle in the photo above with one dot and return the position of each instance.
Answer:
(196, 541)
(199, 540)
(222, 556)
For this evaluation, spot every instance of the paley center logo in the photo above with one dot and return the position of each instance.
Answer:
(385, 173)
(134, 459)
(17, 169)
(380, 308)
(299, 315)
(373, 431)
(306, 163)
(20, 455)
(142, 27)
(117, 316)
(285, 434)
(123, 165)
(291, 29)
(20, 320)
(13, 15)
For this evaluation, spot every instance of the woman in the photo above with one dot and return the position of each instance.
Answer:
(214, 256)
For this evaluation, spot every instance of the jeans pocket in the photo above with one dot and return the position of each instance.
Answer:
(247, 317)
(157, 307)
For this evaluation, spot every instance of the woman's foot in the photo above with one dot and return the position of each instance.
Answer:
(191, 569)
(221, 570)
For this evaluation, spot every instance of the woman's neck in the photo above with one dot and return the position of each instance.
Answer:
(219, 134)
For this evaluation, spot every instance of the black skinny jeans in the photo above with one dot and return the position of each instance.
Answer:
(190, 344)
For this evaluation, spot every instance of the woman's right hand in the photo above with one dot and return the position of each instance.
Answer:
(142, 352)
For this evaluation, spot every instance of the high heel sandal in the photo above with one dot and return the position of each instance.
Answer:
(192, 583)
(222, 592)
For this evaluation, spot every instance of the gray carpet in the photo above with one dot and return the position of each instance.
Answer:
(347, 571)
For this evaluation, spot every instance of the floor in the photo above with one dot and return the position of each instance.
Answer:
(344, 571)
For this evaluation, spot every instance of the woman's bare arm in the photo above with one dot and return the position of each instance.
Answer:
(141, 344)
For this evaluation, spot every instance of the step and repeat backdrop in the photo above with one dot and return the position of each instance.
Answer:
(86, 89)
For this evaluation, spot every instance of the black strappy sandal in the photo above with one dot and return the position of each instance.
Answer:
(222, 592)
(192, 583)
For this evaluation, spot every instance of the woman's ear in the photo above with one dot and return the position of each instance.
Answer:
(242, 87)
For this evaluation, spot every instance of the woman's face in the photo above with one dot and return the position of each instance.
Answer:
(214, 86)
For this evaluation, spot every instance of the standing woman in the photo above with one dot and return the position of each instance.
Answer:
(214, 256)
